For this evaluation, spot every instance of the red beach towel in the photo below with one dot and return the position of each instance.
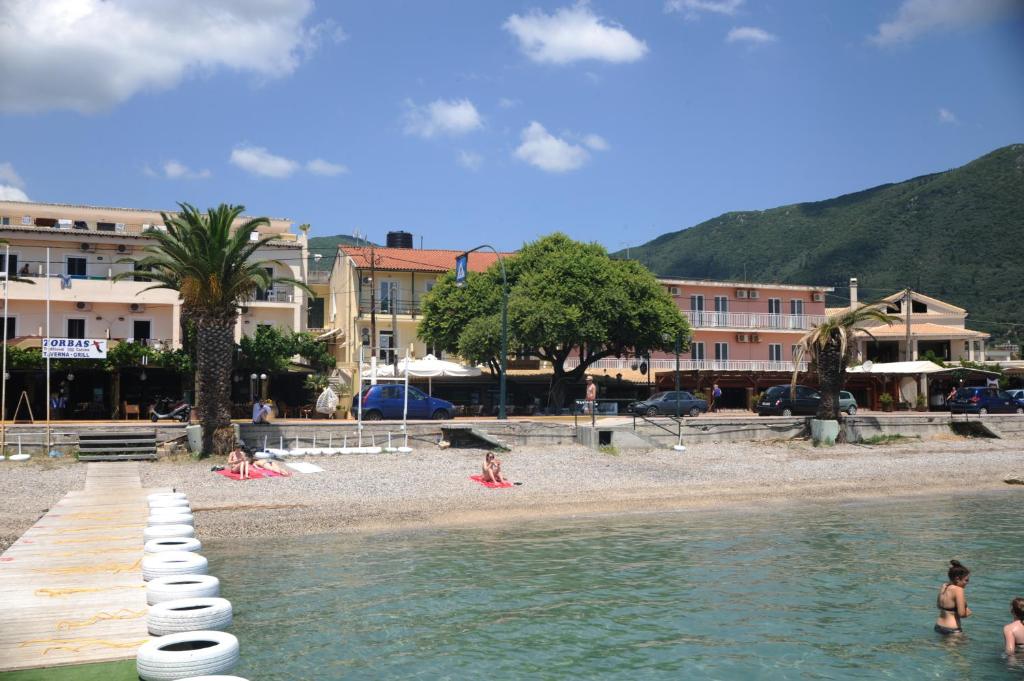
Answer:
(492, 485)
(254, 474)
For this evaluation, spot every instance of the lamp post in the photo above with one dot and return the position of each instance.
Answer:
(678, 349)
(461, 269)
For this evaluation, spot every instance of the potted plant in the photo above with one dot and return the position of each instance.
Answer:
(754, 400)
(886, 401)
(922, 403)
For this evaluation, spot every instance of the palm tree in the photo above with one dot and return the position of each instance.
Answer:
(829, 347)
(210, 263)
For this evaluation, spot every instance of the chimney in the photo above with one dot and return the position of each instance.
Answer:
(853, 291)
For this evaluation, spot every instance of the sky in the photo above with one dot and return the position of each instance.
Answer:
(498, 122)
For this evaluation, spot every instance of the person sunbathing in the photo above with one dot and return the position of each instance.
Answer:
(492, 469)
(238, 463)
(269, 465)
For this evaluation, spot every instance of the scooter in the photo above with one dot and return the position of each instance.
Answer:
(165, 408)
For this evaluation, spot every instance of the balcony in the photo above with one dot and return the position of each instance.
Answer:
(318, 277)
(689, 364)
(277, 294)
(386, 307)
(761, 321)
(93, 289)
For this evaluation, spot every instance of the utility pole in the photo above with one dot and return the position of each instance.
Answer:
(906, 321)
(373, 301)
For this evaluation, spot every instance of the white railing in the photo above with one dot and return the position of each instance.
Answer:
(689, 364)
(318, 276)
(700, 319)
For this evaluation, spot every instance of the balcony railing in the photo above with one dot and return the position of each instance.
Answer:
(689, 364)
(700, 319)
(400, 306)
(277, 294)
(318, 276)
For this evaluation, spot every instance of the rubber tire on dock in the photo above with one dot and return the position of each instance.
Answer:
(173, 544)
(181, 586)
(171, 519)
(171, 657)
(214, 678)
(189, 614)
(169, 510)
(166, 531)
(166, 503)
(166, 495)
(168, 563)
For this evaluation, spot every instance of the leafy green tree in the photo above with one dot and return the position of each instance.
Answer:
(211, 264)
(465, 321)
(271, 349)
(829, 347)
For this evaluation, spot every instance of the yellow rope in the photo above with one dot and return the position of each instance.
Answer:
(122, 614)
(76, 645)
(92, 540)
(114, 568)
(59, 593)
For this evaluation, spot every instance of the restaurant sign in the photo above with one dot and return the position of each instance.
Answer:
(74, 348)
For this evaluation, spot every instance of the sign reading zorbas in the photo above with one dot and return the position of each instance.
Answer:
(74, 348)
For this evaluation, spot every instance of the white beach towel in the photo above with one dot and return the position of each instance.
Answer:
(303, 467)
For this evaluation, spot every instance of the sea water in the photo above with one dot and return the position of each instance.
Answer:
(794, 591)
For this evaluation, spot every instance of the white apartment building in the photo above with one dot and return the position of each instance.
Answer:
(86, 245)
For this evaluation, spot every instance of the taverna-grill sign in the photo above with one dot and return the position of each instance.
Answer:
(75, 348)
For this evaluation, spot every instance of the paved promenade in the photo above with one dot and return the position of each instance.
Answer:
(71, 586)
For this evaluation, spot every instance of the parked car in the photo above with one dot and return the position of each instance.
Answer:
(847, 402)
(982, 400)
(777, 401)
(666, 403)
(386, 401)
(1016, 393)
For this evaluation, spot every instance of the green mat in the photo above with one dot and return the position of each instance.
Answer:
(106, 671)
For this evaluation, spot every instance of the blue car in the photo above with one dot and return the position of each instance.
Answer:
(981, 400)
(386, 401)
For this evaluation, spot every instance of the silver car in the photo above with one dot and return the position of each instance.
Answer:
(847, 402)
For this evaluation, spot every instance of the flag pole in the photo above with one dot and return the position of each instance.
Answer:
(47, 354)
(3, 371)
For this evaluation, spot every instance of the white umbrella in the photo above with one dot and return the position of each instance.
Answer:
(428, 367)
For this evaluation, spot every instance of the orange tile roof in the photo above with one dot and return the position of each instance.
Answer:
(418, 259)
(925, 329)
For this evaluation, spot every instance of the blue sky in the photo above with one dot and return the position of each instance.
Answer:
(462, 122)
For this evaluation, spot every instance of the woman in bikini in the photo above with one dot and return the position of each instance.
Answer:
(238, 463)
(269, 465)
(951, 601)
(1013, 633)
(492, 469)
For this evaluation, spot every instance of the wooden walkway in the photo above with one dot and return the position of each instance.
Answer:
(71, 586)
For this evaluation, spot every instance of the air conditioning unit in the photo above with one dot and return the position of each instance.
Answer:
(87, 247)
(818, 297)
(136, 307)
(673, 290)
(741, 338)
(741, 293)
(754, 294)
(254, 236)
(754, 338)
(124, 249)
(83, 306)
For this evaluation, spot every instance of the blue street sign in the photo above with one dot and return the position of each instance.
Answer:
(461, 267)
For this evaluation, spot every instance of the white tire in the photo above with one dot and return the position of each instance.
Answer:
(167, 563)
(165, 531)
(178, 656)
(167, 503)
(171, 519)
(182, 586)
(218, 677)
(189, 614)
(20, 457)
(166, 495)
(172, 544)
(170, 510)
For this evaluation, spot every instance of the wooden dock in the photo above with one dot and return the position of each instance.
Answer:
(71, 586)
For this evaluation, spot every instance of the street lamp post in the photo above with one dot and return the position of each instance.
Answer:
(678, 350)
(504, 317)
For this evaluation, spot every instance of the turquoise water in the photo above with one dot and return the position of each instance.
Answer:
(840, 591)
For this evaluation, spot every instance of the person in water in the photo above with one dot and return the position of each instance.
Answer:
(492, 469)
(951, 601)
(1013, 632)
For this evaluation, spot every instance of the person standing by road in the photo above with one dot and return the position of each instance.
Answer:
(591, 402)
(716, 394)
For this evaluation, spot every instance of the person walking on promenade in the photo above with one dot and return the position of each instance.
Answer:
(591, 396)
(716, 394)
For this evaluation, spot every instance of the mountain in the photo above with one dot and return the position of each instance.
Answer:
(957, 235)
(327, 246)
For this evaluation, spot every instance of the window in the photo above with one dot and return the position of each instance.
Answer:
(775, 352)
(430, 286)
(140, 268)
(794, 350)
(266, 294)
(385, 353)
(721, 310)
(315, 314)
(388, 295)
(12, 327)
(105, 226)
(796, 307)
(697, 303)
(365, 336)
(141, 329)
(721, 352)
(697, 351)
(75, 267)
(12, 264)
(76, 328)
(5, 220)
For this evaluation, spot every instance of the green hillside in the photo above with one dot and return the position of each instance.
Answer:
(327, 246)
(956, 235)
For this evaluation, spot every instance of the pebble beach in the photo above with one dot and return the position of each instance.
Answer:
(431, 487)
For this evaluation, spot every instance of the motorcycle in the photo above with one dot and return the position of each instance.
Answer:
(166, 408)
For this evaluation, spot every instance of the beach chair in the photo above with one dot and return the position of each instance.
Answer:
(128, 410)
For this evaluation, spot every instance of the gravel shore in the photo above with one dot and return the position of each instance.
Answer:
(430, 487)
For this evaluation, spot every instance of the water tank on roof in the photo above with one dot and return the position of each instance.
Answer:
(399, 239)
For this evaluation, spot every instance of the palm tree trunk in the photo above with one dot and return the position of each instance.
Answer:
(215, 347)
(831, 365)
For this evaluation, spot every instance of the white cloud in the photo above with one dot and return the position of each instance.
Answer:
(572, 34)
(916, 17)
(596, 142)
(751, 35)
(8, 193)
(947, 116)
(89, 55)
(470, 160)
(11, 184)
(173, 170)
(507, 103)
(259, 161)
(442, 117)
(318, 166)
(542, 149)
(692, 8)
